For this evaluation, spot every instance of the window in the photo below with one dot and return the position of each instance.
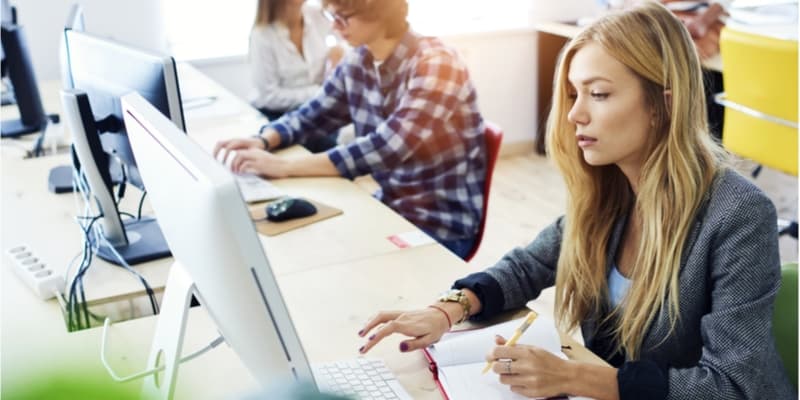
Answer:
(206, 29)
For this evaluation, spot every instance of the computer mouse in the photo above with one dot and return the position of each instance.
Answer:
(289, 208)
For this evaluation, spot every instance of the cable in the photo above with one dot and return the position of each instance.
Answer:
(13, 142)
(141, 203)
(123, 184)
(214, 343)
(90, 249)
(85, 222)
(124, 264)
(76, 306)
(73, 312)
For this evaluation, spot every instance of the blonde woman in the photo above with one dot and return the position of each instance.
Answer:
(666, 258)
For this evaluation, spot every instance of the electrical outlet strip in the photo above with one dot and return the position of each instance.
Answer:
(35, 272)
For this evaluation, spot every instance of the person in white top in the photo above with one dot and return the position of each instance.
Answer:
(289, 58)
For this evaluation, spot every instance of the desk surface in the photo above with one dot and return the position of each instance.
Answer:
(350, 270)
(326, 322)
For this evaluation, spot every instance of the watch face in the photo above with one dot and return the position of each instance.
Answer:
(451, 295)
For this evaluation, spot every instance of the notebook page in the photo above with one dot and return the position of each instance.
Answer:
(472, 347)
(466, 382)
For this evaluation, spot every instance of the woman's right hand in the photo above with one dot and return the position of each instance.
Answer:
(425, 327)
(224, 147)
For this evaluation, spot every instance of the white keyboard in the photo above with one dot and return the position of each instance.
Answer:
(255, 188)
(360, 378)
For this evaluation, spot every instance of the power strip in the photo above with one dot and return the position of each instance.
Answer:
(35, 272)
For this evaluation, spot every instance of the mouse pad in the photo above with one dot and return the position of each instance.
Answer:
(259, 214)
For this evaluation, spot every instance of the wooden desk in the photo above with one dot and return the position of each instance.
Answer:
(349, 273)
(344, 296)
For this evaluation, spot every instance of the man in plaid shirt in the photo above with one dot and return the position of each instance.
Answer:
(414, 109)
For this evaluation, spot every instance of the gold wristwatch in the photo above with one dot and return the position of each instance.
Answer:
(457, 296)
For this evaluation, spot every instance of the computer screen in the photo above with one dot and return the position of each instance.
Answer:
(213, 238)
(102, 70)
(105, 70)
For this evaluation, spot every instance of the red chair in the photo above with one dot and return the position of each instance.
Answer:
(494, 137)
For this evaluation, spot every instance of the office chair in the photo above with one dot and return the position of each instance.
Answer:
(760, 99)
(493, 136)
(784, 320)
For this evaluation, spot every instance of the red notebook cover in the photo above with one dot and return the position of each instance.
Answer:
(435, 371)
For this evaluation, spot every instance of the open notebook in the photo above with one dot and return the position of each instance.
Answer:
(457, 360)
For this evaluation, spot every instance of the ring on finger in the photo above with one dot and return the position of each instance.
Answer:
(508, 366)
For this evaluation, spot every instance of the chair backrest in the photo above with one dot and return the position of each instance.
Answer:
(493, 136)
(760, 99)
(784, 321)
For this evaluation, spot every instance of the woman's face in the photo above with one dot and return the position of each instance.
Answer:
(609, 110)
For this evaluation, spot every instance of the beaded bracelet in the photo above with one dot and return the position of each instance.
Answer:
(449, 323)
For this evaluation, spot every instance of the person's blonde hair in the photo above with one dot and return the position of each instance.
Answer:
(679, 167)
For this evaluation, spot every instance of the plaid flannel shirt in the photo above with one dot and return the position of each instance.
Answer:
(418, 132)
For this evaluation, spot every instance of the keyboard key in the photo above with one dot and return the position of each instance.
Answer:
(365, 379)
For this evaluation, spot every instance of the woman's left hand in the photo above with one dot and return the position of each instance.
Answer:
(531, 371)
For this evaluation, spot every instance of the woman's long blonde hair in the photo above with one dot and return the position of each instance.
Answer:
(679, 169)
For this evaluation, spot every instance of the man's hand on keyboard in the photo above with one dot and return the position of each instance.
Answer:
(259, 162)
(223, 148)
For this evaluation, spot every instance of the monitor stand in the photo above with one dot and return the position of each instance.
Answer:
(136, 240)
(15, 127)
(169, 334)
(145, 243)
(60, 179)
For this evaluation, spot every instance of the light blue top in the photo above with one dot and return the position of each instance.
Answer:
(617, 286)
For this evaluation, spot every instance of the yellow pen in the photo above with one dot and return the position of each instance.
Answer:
(517, 334)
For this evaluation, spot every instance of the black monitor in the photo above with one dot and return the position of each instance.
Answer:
(60, 179)
(75, 22)
(23, 84)
(8, 16)
(106, 70)
(102, 71)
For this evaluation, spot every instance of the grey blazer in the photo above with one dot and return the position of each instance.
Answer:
(723, 346)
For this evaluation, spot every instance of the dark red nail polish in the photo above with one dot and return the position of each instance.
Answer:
(361, 333)
(371, 337)
(361, 349)
(404, 347)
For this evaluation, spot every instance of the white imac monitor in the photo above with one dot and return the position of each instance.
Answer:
(219, 255)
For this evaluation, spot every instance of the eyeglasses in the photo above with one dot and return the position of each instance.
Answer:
(338, 18)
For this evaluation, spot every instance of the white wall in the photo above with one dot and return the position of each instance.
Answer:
(136, 22)
(503, 68)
